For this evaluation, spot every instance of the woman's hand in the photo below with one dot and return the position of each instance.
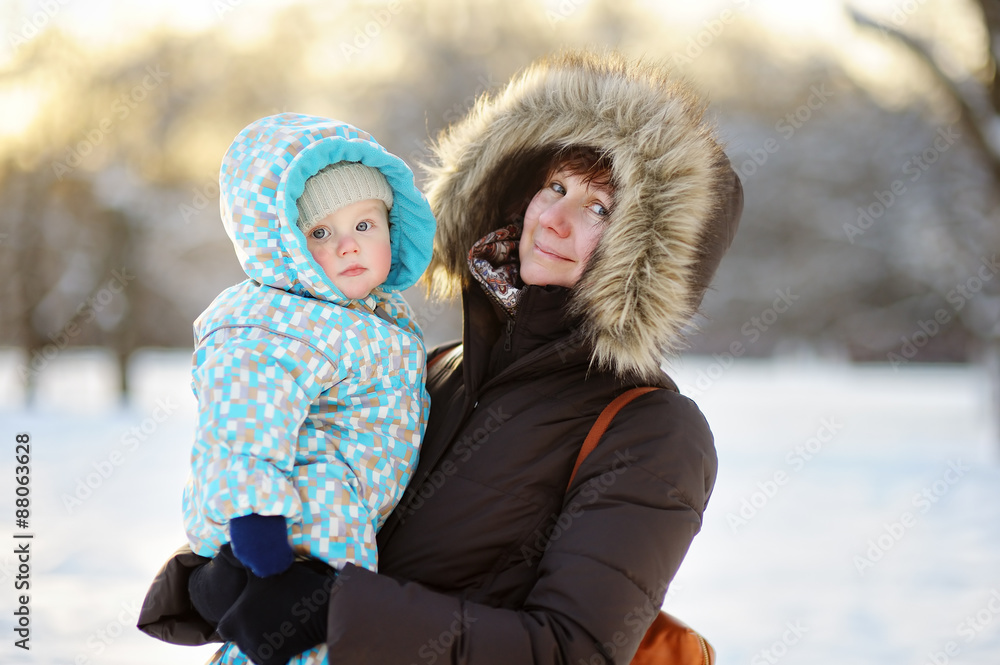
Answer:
(281, 616)
(215, 586)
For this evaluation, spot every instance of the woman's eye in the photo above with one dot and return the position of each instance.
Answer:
(557, 188)
(599, 209)
(363, 226)
(319, 234)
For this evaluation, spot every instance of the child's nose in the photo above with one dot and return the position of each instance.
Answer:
(347, 245)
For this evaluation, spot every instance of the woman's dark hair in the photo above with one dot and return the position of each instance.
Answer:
(534, 170)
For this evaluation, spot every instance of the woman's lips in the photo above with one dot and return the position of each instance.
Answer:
(549, 253)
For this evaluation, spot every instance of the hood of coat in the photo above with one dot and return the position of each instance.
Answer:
(677, 201)
(264, 173)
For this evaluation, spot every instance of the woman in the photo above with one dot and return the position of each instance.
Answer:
(582, 212)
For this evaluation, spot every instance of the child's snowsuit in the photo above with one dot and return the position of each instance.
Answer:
(311, 406)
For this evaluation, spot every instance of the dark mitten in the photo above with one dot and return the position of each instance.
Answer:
(215, 586)
(260, 542)
(281, 616)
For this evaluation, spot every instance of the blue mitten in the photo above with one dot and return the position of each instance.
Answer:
(260, 542)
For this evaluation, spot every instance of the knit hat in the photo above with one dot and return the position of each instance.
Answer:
(340, 185)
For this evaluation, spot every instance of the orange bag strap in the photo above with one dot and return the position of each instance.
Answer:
(601, 425)
(668, 641)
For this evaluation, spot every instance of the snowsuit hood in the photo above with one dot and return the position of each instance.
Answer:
(677, 199)
(264, 173)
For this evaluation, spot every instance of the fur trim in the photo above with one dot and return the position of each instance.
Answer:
(677, 199)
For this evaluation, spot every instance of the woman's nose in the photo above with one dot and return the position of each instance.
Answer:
(556, 218)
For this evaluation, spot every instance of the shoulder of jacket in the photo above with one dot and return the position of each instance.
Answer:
(665, 435)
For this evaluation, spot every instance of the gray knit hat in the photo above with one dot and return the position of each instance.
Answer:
(340, 185)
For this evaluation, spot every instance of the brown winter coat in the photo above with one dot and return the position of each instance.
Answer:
(488, 558)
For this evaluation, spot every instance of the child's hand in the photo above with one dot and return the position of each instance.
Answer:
(260, 542)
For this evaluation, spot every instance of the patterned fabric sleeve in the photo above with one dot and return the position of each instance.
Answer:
(255, 390)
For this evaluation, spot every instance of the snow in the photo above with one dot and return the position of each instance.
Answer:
(869, 531)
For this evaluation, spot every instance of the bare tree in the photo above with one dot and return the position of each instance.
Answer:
(976, 97)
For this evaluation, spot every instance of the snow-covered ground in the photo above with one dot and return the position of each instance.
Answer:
(856, 517)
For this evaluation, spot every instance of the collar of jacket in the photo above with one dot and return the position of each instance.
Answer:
(541, 334)
(543, 337)
(528, 316)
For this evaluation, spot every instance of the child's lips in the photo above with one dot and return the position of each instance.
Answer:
(353, 271)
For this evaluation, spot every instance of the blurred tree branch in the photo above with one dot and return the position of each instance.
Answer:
(978, 102)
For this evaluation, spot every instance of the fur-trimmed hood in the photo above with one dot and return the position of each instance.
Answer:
(677, 201)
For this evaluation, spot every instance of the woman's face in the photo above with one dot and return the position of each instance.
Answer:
(562, 226)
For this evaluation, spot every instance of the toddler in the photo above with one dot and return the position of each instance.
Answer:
(310, 374)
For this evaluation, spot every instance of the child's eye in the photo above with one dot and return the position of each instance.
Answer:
(363, 226)
(557, 188)
(319, 233)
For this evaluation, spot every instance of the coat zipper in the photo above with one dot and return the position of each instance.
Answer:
(510, 333)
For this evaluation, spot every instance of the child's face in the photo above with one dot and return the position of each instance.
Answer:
(352, 247)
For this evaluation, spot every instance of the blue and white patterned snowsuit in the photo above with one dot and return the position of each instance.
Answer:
(311, 406)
